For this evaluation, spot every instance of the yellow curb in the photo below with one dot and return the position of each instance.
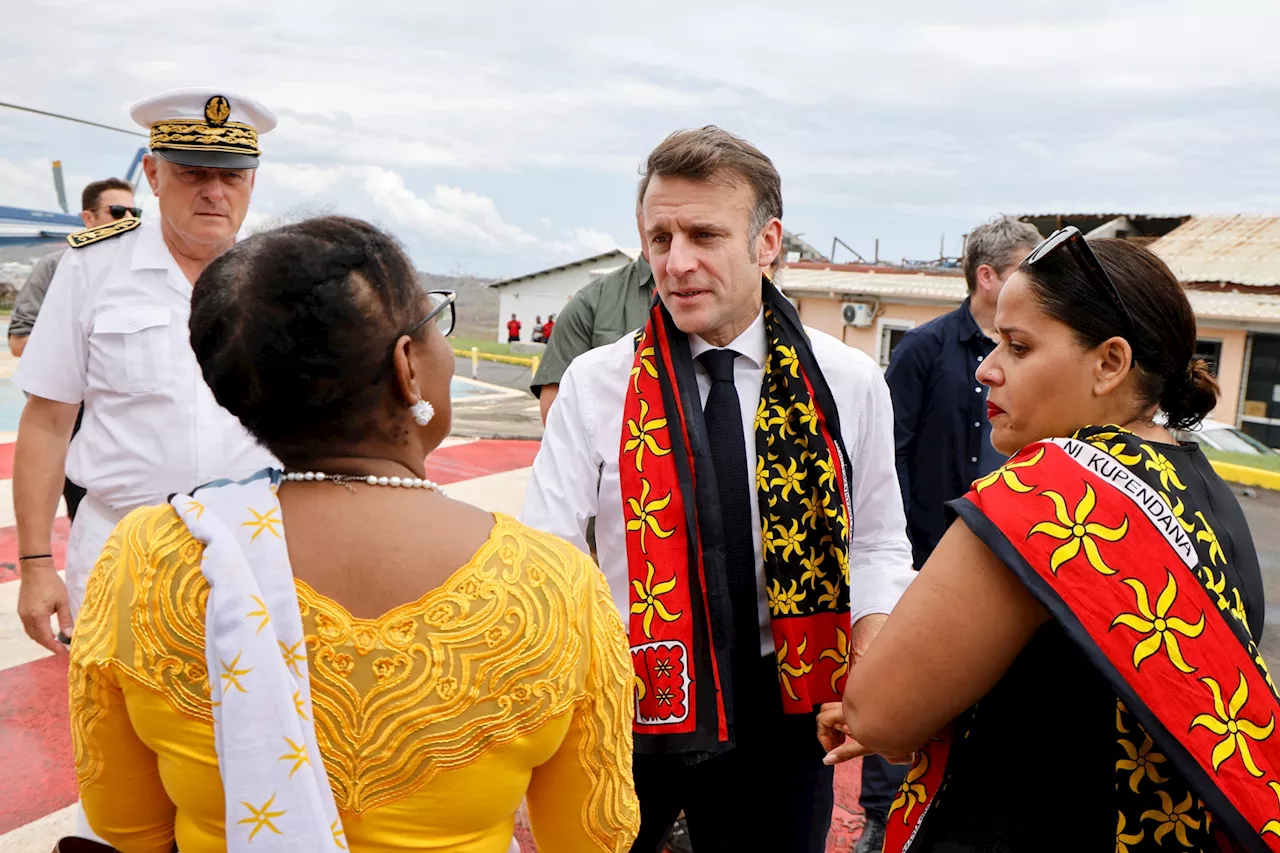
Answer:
(1246, 476)
(505, 359)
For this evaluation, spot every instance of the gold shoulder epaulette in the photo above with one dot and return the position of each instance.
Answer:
(80, 239)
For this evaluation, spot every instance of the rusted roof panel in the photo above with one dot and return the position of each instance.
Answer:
(1235, 249)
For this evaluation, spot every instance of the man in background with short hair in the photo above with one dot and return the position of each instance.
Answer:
(513, 330)
(101, 202)
(941, 431)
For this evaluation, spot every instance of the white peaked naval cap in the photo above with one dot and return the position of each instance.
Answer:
(212, 128)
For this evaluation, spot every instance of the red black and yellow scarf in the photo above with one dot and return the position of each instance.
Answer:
(1120, 551)
(680, 614)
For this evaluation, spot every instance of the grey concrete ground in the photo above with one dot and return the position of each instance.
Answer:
(497, 416)
(1263, 513)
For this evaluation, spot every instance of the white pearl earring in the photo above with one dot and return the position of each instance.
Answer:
(423, 412)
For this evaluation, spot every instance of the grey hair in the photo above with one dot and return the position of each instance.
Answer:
(995, 243)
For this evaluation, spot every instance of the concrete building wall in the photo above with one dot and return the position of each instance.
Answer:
(1230, 369)
(825, 315)
(541, 296)
(547, 293)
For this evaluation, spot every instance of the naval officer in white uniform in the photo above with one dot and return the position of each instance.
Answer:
(113, 335)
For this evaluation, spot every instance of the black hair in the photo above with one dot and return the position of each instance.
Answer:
(92, 193)
(1164, 338)
(294, 330)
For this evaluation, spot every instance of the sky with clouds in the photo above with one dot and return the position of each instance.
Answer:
(495, 138)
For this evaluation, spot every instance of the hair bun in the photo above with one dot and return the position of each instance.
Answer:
(1190, 396)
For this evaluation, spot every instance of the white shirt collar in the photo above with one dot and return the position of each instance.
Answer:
(751, 344)
(150, 252)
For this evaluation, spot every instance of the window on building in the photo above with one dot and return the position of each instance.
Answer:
(1210, 351)
(891, 332)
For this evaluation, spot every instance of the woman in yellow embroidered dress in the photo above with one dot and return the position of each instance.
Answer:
(1077, 663)
(457, 662)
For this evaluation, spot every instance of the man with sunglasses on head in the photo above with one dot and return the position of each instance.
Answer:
(102, 202)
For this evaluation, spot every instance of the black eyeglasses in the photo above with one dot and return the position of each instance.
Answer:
(1087, 261)
(118, 211)
(442, 307)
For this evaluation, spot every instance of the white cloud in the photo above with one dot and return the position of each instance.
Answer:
(449, 212)
(587, 241)
(465, 126)
(24, 186)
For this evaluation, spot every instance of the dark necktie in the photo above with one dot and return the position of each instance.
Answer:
(723, 417)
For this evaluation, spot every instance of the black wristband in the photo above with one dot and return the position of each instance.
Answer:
(36, 557)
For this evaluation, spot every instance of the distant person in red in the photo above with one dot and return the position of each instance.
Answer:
(513, 330)
(546, 330)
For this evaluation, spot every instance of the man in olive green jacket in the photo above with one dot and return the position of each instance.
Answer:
(597, 315)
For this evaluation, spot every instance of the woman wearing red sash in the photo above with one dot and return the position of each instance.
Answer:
(1076, 666)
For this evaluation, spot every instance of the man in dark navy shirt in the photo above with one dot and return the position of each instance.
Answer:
(941, 429)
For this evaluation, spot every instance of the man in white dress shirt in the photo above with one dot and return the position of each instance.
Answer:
(748, 517)
(112, 335)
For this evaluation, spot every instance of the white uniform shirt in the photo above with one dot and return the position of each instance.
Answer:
(112, 333)
(584, 430)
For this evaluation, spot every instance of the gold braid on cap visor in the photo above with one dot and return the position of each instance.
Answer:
(196, 135)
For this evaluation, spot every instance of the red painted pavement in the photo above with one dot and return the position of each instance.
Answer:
(9, 548)
(480, 458)
(35, 739)
(6, 460)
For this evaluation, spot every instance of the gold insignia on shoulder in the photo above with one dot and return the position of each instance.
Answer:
(80, 239)
(217, 111)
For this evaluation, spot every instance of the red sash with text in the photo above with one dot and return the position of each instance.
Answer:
(1104, 532)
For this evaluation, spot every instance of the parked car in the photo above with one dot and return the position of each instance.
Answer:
(1224, 437)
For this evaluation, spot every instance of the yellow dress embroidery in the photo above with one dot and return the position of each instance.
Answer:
(525, 635)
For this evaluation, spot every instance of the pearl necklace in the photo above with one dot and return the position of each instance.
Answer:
(371, 480)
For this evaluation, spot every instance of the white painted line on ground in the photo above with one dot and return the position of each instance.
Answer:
(488, 386)
(40, 835)
(495, 492)
(7, 518)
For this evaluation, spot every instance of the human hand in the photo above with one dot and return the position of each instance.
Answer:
(864, 631)
(833, 734)
(42, 594)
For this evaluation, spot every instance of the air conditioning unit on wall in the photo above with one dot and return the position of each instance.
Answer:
(858, 314)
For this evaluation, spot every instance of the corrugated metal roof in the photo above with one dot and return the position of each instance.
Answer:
(948, 288)
(1240, 249)
(1208, 305)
